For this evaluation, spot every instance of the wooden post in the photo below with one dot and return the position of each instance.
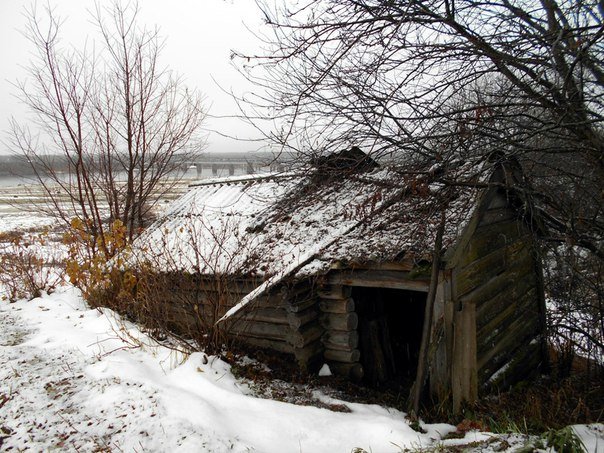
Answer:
(464, 372)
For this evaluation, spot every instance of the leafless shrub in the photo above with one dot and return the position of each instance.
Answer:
(29, 266)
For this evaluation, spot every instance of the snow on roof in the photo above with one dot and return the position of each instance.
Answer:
(267, 226)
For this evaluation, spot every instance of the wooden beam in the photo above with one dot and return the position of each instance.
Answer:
(423, 360)
(404, 265)
(301, 318)
(524, 362)
(489, 266)
(335, 292)
(272, 315)
(262, 330)
(379, 279)
(280, 346)
(305, 335)
(301, 305)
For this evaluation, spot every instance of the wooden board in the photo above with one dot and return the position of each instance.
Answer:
(379, 279)
(515, 334)
(489, 238)
(522, 363)
(492, 264)
(280, 346)
(464, 373)
(491, 308)
(499, 283)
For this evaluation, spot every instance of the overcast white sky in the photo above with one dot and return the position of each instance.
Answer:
(200, 35)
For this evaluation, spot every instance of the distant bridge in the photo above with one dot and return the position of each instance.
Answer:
(233, 162)
(245, 166)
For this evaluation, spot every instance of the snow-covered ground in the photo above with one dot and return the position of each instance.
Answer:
(68, 381)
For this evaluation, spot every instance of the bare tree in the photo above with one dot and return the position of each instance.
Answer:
(384, 72)
(426, 81)
(111, 114)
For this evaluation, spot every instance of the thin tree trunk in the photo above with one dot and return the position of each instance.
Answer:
(422, 364)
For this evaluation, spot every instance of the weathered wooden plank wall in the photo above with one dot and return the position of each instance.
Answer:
(496, 284)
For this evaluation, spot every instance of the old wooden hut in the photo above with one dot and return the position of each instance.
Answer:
(334, 266)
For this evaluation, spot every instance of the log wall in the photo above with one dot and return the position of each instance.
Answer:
(287, 319)
(267, 323)
(340, 339)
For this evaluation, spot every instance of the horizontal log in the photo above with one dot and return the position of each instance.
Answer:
(308, 354)
(337, 355)
(305, 335)
(340, 321)
(353, 371)
(298, 319)
(271, 299)
(296, 292)
(210, 299)
(301, 305)
(262, 330)
(272, 315)
(335, 292)
(336, 339)
(183, 282)
(379, 279)
(265, 343)
(336, 305)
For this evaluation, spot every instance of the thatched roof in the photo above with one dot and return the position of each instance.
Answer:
(298, 223)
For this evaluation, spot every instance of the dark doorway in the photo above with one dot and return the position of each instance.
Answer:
(390, 329)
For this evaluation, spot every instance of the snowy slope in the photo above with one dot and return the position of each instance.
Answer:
(73, 384)
(68, 382)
